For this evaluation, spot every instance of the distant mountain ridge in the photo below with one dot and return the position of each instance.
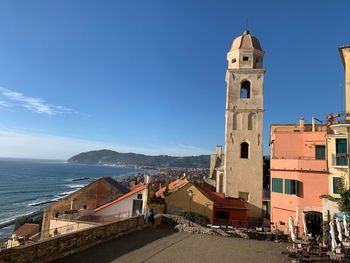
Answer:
(108, 157)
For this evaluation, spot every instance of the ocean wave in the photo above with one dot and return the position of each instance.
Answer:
(44, 202)
(11, 220)
(65, 193)
(83, 178)
(75, 185)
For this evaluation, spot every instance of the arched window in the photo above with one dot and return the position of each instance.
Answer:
(245, 90)
(237, 121)
(251, 121)
(244, 150)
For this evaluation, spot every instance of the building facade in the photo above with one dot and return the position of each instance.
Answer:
(203, 201)
(243, 164)
(299, 175)
(81, 203)
(338, 138)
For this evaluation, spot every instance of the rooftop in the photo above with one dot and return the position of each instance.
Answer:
(27, 230)
(137, 188)
(246, 41)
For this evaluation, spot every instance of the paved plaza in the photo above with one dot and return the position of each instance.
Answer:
(165, 245)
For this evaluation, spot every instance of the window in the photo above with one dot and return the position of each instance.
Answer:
(341, 152)
(234, 60)
(291, 187)
(237, 121)
(244, 150)
(320, 152)
(337, 184)
(277, 185)
(251, 121)
(245, 90)
(139, 196)
(257, 60)
(245, 58)
(222, 215)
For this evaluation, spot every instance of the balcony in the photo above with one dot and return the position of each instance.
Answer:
(338, 123)
(340, 160)
(298, 163)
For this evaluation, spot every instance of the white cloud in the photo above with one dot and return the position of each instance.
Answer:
(4, 104)
(38, 145)
(36, 105)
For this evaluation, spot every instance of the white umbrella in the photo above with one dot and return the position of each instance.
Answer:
(340, 234)
(304, 223)
(296, 222)
(346, 227)
(292, 229)
(334, 243)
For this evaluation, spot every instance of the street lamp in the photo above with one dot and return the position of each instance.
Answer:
(190, 195)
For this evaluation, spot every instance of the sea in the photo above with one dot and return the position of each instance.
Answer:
(27, 186)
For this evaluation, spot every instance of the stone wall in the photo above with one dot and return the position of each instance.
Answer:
(64, 245)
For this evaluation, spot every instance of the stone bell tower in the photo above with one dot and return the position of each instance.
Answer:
(243, 168)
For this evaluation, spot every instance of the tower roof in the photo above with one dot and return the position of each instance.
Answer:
(246, 41)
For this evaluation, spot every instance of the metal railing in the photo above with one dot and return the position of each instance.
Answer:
(295, 158)
(339, 159)
(338, 118)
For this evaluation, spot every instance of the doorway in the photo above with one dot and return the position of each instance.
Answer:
(314, 222)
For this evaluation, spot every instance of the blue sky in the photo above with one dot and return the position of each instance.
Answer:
(149, 76)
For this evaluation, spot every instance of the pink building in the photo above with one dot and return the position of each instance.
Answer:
(298, 174)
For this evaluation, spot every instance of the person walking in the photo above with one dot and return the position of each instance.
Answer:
(151, 218)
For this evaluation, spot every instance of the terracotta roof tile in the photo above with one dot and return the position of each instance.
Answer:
(172, 186)
(219, 199)
(27, 230)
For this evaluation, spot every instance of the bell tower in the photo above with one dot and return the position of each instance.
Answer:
(243, 169)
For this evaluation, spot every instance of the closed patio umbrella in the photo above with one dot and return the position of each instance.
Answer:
(293, 235)
(334, 242)
(346, 227)
(340, 234)
(296, 221)
(304, 223)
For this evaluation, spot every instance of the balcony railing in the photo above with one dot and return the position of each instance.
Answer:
(340, 159)
(295, 158)
(307, 163)
(338, 118)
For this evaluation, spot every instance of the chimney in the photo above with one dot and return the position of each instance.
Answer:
(313, 123)
(146, 179)
(301, 124)
(219, 151)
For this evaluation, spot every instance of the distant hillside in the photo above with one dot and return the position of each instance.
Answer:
(132, 159)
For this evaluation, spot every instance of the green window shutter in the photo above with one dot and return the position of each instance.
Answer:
(280, 185)
(341, 151)
(277, 185)
(320, 152)
(296, 187)
(287, 187)
(273, 185)
(336, 185)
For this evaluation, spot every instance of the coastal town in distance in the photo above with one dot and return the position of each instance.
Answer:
(274, 185)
